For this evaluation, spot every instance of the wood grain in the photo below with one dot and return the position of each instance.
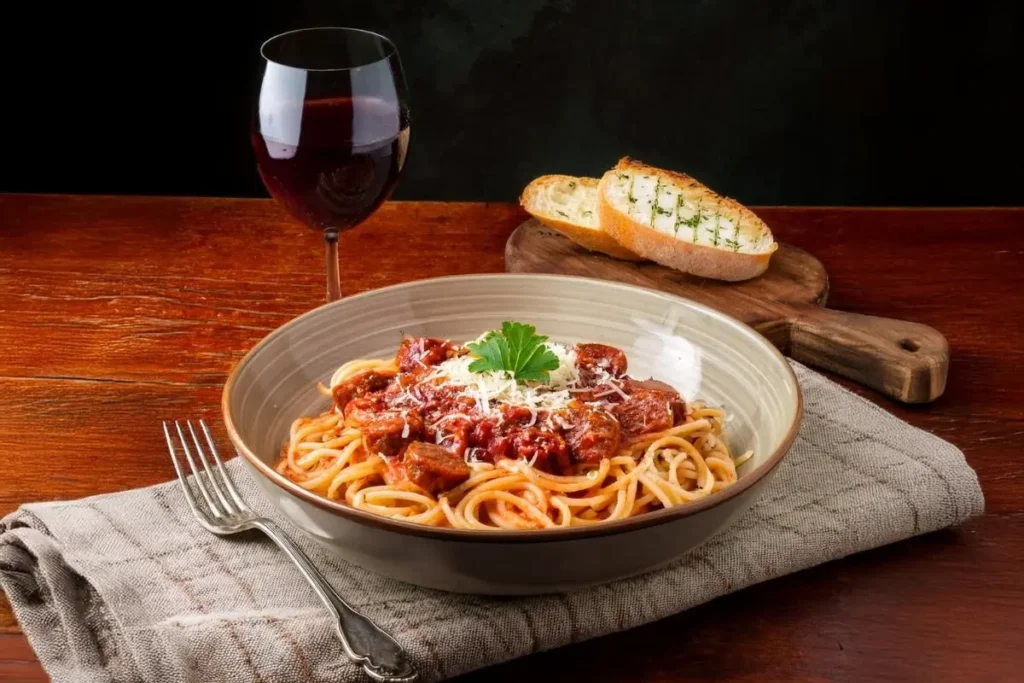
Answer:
(116, 313)
(908, 361)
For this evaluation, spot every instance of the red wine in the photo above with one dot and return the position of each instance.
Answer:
(331, 162)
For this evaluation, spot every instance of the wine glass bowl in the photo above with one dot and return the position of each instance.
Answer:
(332, 128)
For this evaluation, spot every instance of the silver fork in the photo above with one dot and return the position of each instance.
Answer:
(226, 513)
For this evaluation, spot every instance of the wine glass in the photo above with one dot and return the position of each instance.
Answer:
(332, 128)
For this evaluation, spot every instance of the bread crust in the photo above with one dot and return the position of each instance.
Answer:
(696, 259)
(593, 239)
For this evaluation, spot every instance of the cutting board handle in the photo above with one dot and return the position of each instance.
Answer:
(907, 361)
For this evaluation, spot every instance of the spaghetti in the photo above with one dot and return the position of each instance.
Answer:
(423, 439)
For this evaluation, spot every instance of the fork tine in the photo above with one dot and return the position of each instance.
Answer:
(223, 470)
(196, 474)
(189, 498)
(209, 471)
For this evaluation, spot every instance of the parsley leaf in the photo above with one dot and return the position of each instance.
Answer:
(517, 350)
(491, 353)
(536, 368)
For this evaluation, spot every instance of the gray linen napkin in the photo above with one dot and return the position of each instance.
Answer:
(127, 587)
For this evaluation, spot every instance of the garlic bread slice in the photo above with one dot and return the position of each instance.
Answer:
(676, 221)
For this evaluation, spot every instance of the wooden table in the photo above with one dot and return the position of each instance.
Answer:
(116, 313)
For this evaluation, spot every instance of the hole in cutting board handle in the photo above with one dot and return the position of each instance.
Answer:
(909, 345)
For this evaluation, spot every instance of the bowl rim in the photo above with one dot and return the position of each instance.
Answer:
(648, 519)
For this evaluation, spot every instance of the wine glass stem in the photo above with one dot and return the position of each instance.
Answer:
(333, 274)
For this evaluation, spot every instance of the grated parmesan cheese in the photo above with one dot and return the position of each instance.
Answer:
(490, 390)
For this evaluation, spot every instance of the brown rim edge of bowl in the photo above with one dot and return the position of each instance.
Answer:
(525, 536)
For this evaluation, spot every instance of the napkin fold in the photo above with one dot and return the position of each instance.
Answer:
(128, 587)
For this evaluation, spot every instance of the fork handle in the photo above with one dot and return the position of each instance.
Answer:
(381, 657)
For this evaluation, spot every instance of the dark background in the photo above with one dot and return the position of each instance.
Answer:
(857, 102)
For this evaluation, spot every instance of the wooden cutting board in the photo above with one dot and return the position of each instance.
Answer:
(907, 361)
